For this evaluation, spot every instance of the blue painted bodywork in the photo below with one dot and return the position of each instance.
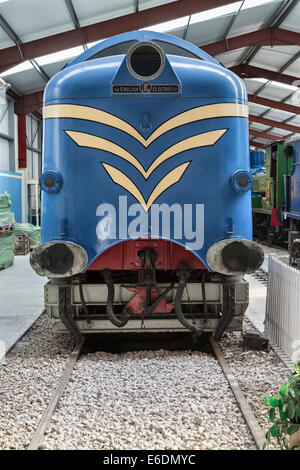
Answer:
(71, 213)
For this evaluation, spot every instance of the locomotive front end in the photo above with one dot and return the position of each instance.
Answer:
(146, 222)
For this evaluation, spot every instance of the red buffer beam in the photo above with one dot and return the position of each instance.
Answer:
(11, 56)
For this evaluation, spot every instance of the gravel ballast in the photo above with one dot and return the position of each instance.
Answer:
(27, 380)
(134, 400)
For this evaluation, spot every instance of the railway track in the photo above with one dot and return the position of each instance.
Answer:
(255, 429)
(40, 431)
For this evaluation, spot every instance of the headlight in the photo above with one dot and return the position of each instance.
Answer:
(51, 181)
(235, 256)
(241, 181)
(58, 259)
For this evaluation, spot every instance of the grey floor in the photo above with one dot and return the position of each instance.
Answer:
(257, 303)
(21, 301)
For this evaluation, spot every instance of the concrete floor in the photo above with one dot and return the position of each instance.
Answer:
(257, 303)
(21, 301)
(258, 292)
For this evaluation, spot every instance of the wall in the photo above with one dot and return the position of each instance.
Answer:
(11, 182)
(22, 184)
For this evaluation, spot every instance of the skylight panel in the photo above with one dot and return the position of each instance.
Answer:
(284, 85)
(18, 68)
(256, 3)
(168, 25)
(92, 44)
(215, 12)
(58, 56)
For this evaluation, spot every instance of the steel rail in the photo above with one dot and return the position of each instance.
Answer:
(43, 425)
(256, 431)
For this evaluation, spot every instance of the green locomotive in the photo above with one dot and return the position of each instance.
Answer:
(270, 193)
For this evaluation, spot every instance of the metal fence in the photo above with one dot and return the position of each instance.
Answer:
(282, 322)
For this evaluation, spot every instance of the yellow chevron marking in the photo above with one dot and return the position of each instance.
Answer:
(198, 114)
(97, 115)
(75, 111)
(200, 140)
(121, 179)
(92, 141)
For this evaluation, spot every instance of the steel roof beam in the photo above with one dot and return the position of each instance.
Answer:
(249, 71)
(77, 37)
(29, 103)
(276, 20)
(274, 104)
(74, 17)
(257, 144)
(232, 20)
(263, 37)
(265, 135)
(272, 124)
(73, 14)
(15, 38)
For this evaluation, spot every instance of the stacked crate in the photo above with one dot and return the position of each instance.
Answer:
(6, 232)
(29, 231)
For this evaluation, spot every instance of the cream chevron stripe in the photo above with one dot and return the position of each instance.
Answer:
(198, 114)
(199, 140)
(122, 180)
(95, 142)
(196, 141)
(217, 110)
(75, 111)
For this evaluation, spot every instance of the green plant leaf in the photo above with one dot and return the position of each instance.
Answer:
(274, 431)
(298, 410)
(297, 368)
(266, 400)
(293, 428)
(282, 415)
(291, 410)
(268, 436)
(274, 402)
(272, 414)
(283, 390)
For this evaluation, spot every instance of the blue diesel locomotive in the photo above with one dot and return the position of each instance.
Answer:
(146, 191)
(291, 212)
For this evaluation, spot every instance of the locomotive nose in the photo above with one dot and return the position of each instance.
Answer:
(145, 61)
